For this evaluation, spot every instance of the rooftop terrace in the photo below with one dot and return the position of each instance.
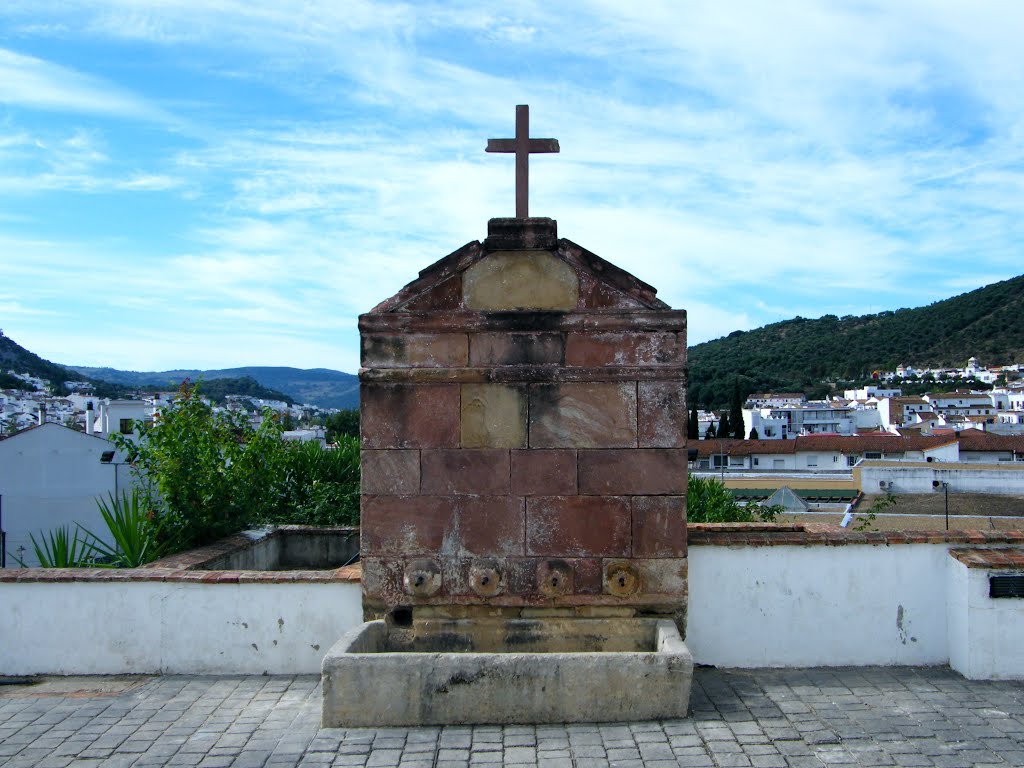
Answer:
(870, 716)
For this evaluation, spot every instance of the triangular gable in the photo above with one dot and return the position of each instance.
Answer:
(531, 252)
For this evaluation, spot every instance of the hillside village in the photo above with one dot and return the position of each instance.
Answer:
(883, 409)
(82, 410)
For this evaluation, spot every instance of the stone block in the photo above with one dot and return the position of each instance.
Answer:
(537, 348)
(661, 576)
(661, 414)
(493, 416)
(578, 526)
(491, 526)
(390, 472)
(406, 525)
(506, 280)
(583, 415)
(639, 472)
(595, 350)
(595, 294)
(544, 472)
(446, 295)
(409, 415)
(446, 472)
(415, 350)
(659, 526)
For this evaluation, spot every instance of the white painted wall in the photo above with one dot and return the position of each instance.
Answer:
(985, 639)
(907, 477)
(172, 627)
(817, 605)
(748, 607)
(51, 476)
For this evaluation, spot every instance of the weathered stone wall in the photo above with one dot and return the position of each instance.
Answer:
(524, 436)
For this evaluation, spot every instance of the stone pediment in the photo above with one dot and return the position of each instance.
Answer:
(523, 266)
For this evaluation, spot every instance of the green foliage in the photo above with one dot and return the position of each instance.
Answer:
(724, 427)
(134, 526)
(693, 424)
(709, 501)
(804, 355)
(344, 423)
(212, 474)
(321, 485)
(753, 434)
(61, 548)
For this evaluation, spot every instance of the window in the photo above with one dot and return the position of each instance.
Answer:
(125, 426)
(872, 455)
(757, 462)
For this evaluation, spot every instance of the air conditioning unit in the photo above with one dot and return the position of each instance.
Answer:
(883, 484)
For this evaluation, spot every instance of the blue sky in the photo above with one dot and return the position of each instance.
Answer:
(222, 183)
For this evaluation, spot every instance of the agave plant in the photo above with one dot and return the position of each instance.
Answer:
(61, 548)
(133, 528)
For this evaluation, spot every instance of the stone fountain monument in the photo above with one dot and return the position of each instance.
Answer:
(523, 490)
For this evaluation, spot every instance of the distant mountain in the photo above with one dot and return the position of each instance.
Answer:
(316, 386)
(14, 357)
(797, 355)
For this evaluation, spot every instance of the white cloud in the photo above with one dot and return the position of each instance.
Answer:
(26, 81)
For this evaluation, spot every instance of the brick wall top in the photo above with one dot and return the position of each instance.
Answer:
(822, 534)
(990, 559)
(349, 574)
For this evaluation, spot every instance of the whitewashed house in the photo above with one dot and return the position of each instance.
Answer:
(51, 476)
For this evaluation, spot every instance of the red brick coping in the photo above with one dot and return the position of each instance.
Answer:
(823, 534)
(187, 567)
(990, 559)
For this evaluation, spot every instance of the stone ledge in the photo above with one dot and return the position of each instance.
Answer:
(990, 559)
(530, 321)
(347, 574)
(520, 374)
(822, 534)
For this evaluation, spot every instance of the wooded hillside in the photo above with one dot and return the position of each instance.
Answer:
(799, 354)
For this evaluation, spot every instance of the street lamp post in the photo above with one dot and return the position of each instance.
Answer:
(945, 491)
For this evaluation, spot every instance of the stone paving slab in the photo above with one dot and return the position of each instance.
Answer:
(874, 716)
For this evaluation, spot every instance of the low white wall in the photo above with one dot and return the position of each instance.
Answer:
(818, 605)
(749, 606)
(107, 627)
(985, 635)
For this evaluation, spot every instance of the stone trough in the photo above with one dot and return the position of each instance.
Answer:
(514, 671)
(523, 534)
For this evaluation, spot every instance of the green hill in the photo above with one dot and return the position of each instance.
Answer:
(14, 357)
(799, 354)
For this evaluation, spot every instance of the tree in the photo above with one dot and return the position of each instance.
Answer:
(344, 423)
(709, 501)
(754, 435)
(724, 428)
(709, 433)
(209, 473)
(693, 424)
(736, 411)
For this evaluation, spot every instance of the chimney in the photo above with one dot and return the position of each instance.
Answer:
(42, 415)
(90, 420)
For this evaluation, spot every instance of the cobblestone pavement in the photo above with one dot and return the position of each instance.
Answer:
(762, 718)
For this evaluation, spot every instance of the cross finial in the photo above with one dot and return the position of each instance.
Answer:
(523, 146)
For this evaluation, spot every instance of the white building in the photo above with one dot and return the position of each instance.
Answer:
(52, 476)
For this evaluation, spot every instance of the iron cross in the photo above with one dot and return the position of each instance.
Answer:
(523, 146)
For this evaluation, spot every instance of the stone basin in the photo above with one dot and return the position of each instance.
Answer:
(559, 670)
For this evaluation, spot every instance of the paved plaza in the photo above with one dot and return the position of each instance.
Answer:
(762, 718)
